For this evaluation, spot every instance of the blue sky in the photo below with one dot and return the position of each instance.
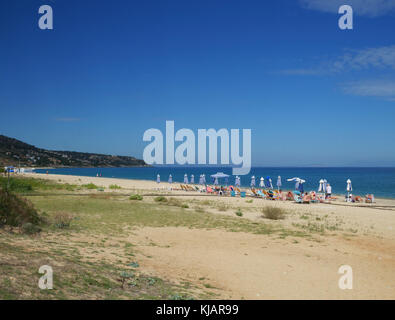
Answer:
(109, 70)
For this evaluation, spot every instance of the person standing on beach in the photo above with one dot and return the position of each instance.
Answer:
(328, 191)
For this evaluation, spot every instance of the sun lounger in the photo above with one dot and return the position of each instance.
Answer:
(268, 195)
(297, 198)
(261, 194)
(277, 195)
(369, 198)
(209, 190)
(358, 199)
(313, 197)
(254, 192)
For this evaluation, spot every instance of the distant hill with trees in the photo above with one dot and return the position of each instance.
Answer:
(15, 152)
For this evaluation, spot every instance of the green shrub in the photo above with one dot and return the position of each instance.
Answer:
(90, 186)
(239, 213)
(273, 213)
(135, 197)
(30, 228)
(160, 199)
(16, 211)
(114, 187)
(134, 264)
(17, 185)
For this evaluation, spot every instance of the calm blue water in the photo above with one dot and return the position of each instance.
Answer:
(379, 181)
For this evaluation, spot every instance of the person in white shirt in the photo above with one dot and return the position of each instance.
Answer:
(328, 190)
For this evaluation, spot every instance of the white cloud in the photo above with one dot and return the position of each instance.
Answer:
(370, 8)
(382, 57)
(379, 58)
(372, 88)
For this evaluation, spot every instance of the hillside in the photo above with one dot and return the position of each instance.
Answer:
(15, 152)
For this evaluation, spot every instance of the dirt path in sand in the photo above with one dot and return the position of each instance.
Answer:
(242, 265)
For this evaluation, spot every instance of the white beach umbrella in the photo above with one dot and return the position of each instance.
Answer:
(270, 183)
(298, 181)
(262, 183)
(253, 181)
(349, 189)
(204, 178)
(349, 185)
(219, 175)
(185, 178)
(216, 181)
(192, 179)
(170, 179)
(279, 184)
(158, 178)
(321, 186)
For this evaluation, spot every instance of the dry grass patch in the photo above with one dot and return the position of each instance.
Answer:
(62, 220)
(273, 213)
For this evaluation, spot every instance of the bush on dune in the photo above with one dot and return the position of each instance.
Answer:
(160, 199)
(135, 197)
(62, 220)
(90, 186)
(16, 211)
(273, 213)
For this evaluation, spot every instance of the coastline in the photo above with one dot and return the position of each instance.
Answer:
(152, 184)
(379, 182)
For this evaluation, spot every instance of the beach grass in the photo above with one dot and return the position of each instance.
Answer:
(113, 215)
(30, 185)
(85, 239)
(74, 277)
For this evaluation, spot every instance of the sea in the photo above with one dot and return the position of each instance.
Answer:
(377, 181)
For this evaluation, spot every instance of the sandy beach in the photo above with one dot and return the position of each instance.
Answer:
(240, 265)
